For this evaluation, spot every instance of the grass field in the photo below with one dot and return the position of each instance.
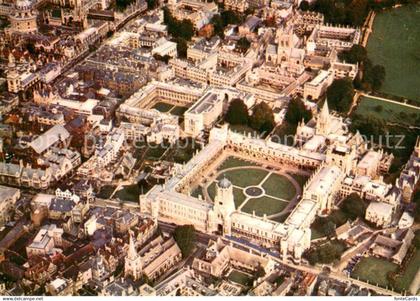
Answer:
(389, 112)
(239, 277)
(374, 270)
(244, 177)
(264, 205)
(168, 108)
(279, 186)
(235, 162)
(395, 44)
(129, 193)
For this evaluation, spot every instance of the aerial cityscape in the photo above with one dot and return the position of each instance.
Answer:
(209, 148)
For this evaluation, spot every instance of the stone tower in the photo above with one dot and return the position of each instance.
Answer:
(133, 265)
(224, 204)
(323, 122)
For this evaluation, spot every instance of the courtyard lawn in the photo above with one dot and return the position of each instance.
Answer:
(264, 205)
(279, 186)
(395, 44)
(374, 270)
(106, 191)
(163, 107)
(129, 193)
(211, 189)
(178, 111)
(238, 197)
(155, 152)
(389, 112)
(244, 177)
(240, 278)
(235, 162)
(280, 219)
(198, 191)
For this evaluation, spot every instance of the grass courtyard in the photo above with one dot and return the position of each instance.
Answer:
(255, 189)
(240, 278)
(264, 205)
(244, 177)
(374, 270)
(395, 44)
(389, 112)
(169, 108)
(129, 193)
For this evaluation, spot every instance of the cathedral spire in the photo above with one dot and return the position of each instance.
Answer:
(132, 253)
(325, 112)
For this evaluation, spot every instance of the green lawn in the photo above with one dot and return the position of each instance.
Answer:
(238, 196)
(106, 191)
(154, 152)
(244, 177)
(163, 107)
(264, 205)
(389, 112)
(211, 189)
(395, 44)
(239, 277)
(403, 282)
(279, 186)
(178, 111)
(129, 193)
(198, 191)
(235, 162)
(374, 270)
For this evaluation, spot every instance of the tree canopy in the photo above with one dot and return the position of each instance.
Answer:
(237, 112)
(340, 95)
(354, 206)
(185, 237)
(262, 118)
(296, 111)
(243, 45)
(179, 29)
(356, 54)
(326, 253)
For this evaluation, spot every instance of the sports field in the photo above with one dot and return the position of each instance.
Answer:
(395, 44)
(389, 112)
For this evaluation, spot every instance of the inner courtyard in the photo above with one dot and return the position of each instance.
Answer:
(257, 189)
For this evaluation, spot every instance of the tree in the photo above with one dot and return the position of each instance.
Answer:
(151, 4)
(262, 118)
(356, 54)
(340, 95)
(237, 112)
(378, 76)
(185, 237)
(231, 17)
(354, 206)
(296, 111)
(181, 47)
(243, 44)
(304, 5)
(178, 29)
(329, 228)
(369, 125)
(218, 25)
